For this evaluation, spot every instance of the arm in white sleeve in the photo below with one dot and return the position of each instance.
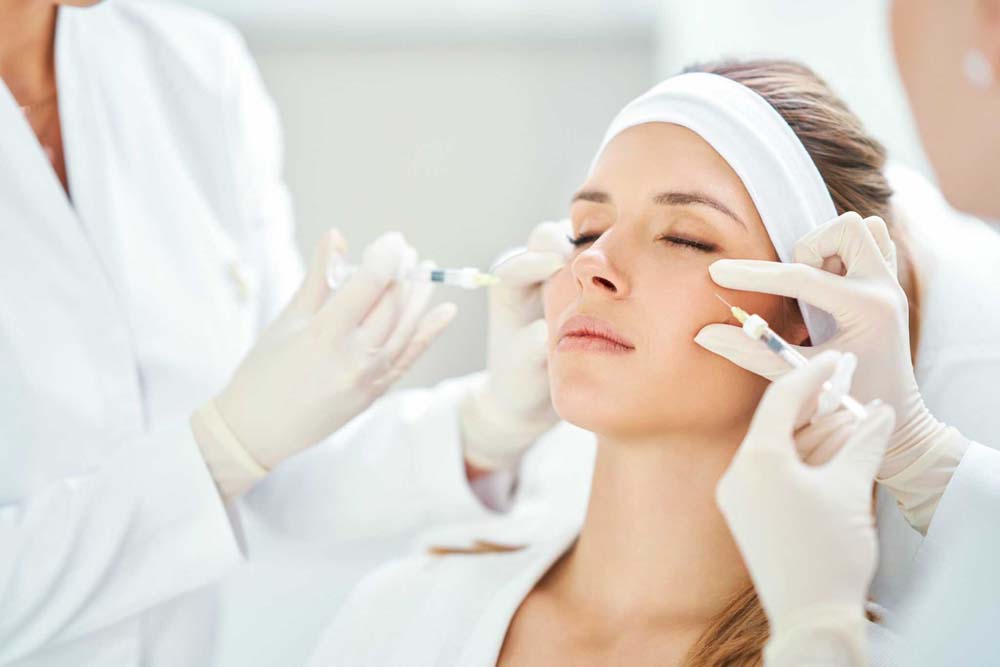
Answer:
(953, 614)
(264, 229)
(264, 206)
(393, 470)
(965, 522)
(84, 552)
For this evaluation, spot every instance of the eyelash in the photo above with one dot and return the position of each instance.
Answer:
(584, 239)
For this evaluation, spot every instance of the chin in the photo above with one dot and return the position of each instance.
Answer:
(603, 407)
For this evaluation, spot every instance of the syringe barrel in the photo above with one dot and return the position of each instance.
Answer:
(780, 346)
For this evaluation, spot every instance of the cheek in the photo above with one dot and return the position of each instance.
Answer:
(703, 390)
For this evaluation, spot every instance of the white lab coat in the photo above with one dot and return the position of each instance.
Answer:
(948, 590)
(123, 310)
(957, 363)
(119, 312)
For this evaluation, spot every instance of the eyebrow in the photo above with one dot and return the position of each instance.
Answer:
(669, 198)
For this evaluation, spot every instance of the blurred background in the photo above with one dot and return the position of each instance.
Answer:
(462, 123)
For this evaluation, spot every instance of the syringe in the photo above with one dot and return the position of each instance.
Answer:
(466, 278)
(756, 327)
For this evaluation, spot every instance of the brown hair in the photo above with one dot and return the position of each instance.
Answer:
(850, 162)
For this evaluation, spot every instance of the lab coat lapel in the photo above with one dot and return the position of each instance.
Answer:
(64, 344)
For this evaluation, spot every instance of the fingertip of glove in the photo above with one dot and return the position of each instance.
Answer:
(441, 315)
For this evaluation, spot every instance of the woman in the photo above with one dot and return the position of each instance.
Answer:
(653, 576)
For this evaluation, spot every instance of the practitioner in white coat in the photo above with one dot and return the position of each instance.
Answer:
(146, 239)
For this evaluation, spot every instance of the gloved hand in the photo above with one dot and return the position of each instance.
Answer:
(807, 533)
(324, 359)
(870, 309)
(501, 417)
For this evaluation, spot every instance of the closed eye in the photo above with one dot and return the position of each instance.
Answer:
(689, 243)
(583, 239)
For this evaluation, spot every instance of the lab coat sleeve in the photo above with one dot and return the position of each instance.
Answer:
(267, 230)
(84, 552)
(966, 518)
(953, 614)
(392, 471)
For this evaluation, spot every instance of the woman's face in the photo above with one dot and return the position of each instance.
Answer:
(660, 206)
(958, 122)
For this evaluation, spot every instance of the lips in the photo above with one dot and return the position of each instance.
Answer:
(589, 334)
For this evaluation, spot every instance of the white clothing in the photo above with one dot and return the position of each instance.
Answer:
(958, 358)
(121, 310)
(953, 610)
(126, 307)
(320, 522)
(946, 586)
(430, 610)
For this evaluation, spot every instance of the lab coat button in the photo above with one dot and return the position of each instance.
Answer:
(241, 278)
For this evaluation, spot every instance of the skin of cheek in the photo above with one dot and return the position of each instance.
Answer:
(669, 383)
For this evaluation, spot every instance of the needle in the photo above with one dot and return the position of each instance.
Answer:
(728, 305)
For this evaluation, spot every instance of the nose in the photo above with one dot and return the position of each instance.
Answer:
(596, 272)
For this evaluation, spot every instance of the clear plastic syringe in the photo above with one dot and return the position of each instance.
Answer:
(466, 278)
(756, 327)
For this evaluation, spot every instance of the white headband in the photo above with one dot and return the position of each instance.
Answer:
(759, 145)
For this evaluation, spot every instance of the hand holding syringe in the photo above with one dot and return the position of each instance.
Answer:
(756, 327)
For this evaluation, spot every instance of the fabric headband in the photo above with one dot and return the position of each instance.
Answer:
(783, 182)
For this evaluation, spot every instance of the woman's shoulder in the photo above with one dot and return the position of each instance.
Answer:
(422, 609)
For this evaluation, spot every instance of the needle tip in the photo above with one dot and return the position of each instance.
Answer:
(728, 305)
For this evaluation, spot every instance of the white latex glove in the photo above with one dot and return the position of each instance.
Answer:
(501, 417)
(324, 359)
(807, 533)
(870, 309)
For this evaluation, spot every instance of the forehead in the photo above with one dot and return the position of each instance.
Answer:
(652, 157)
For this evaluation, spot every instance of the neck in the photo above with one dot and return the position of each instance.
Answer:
(654, 544)
(27, 58)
